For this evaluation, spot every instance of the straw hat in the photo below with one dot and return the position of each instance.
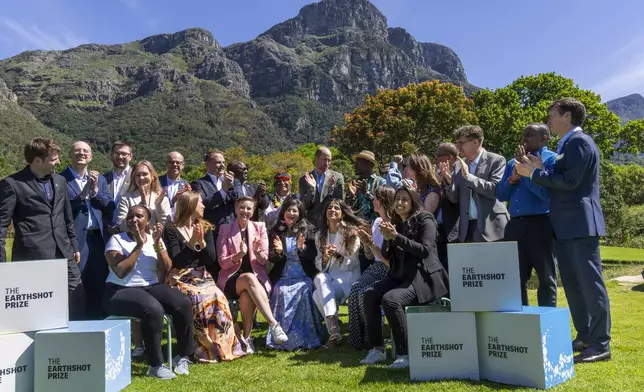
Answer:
(367, 156)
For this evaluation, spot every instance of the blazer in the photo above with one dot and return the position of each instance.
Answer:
(307, 255)
(219, 209)
(41, 228)
(347, 267)
(185, 257)
(315, 199)
(163, 181)
(160, 210)
(109, 179)
(250, 190)
(575, 210)
(229, 243)
(450, 213)
(415, 247)
(101, 204)
(492, 215)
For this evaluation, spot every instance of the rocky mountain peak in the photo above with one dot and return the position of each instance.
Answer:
(630, 107)
(197, 40)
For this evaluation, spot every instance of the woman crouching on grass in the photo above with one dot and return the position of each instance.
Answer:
(416, 276)
(134, 288)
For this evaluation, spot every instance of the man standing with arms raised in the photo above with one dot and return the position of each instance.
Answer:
(578, 222)
(90, 202)
(320, 186)
(36, 200)
(530, 223)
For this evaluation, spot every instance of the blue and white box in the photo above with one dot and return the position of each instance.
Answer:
(529, 348)
(17, 362)
(484, 277)
(442, 344)
(34, 296)
(85, 356)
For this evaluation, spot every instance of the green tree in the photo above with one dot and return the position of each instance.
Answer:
(413, 118)
(613, 206)
(632, 137)
(504, 112)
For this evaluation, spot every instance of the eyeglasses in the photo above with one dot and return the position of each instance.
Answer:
(461, 143)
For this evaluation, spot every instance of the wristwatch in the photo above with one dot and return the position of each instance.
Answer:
(198, 247)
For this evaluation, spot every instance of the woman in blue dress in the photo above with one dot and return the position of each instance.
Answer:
(293, 252)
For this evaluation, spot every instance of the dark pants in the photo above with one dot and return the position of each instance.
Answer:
(150, 303)
(473, 233)
(580, 266)
(75, 290)
(94, 275)
(441, 247)
(364, 261)
(394, 295)
(535, 240)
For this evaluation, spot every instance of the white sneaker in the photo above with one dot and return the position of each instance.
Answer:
(250, 346)
(180, 365)
(374, 356)
(163, 372)
(138, 351)
(278, 334)
(401, 362)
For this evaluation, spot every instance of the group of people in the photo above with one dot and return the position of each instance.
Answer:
(141, 245)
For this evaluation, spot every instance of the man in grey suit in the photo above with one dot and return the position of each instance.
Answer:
(472, 183)
(320, 186)
(578, 222)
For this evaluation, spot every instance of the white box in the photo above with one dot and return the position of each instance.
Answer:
(86, 356)
(529, 348)
(484, 277)
(442, 344)
(17, 362)
(34, 296)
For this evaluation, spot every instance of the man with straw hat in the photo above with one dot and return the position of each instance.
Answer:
(361, 189)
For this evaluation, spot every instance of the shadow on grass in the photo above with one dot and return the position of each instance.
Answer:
(382, 374)
(639, 287)
(344, 355)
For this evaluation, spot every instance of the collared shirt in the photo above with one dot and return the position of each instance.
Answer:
(45, 184)
(564, 139)
(525, 197)
(173, 188)
(472, 165)
(82, 182)
(119, 180)
(319, 179)
(219, 182)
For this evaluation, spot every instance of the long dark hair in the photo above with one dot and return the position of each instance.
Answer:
(425, 171)
(385, 195)
(416, 204)
(349, 220)
(300, 226)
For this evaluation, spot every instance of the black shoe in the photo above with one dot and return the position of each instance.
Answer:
(579, 345)
(591, 355)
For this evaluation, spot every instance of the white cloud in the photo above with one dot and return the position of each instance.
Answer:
(33, 37)
(628, 78)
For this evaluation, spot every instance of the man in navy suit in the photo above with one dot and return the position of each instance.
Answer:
(171, 181)
(578, 222)
(90, 201)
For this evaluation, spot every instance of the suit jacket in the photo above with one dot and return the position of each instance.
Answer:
(40, 227)
(219, 209)
(109, 180)
(492, 215)
(163, 181)
(307, 255)
(100, 203)
(229, 243)
(415, 247)
(250, 190)
(315, 199)
(450, 212)
(575, 210)
(160, 210)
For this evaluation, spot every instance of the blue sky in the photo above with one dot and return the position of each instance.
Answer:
(599, 44)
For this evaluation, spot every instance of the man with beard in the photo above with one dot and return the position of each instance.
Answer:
(36, 200)
(529, 210)
(118, 179)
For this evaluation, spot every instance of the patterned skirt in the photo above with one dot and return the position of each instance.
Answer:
(357, 320)
(213, 324)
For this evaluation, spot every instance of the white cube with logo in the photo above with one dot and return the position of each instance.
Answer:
(530, 348)
(85, 356)
(442, 344)
(17, 362)
(484, 277)
(34, 296)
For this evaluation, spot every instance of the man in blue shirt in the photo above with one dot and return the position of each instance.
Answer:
(529, 206)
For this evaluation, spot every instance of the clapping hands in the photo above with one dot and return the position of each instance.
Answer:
(388, 230)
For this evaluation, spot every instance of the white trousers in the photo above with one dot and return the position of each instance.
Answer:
(328, 292)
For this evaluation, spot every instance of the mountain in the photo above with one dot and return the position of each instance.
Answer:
(630, 107)
(185, 91)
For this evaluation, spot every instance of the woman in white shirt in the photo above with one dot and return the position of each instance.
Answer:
(134, 288)
(144, 189)
(337, 260)
(383, 205)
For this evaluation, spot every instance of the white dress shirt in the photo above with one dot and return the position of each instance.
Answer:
(472, 166)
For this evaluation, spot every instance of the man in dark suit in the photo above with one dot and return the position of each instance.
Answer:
(171, 181)
(320, 186)
(91, 202)
(578, 222)
(216, 189)
(35, 198)
(244, 188)
(118, 179)
(472, 184)
(448, 212)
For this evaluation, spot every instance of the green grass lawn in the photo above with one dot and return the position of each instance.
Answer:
(622, 254)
